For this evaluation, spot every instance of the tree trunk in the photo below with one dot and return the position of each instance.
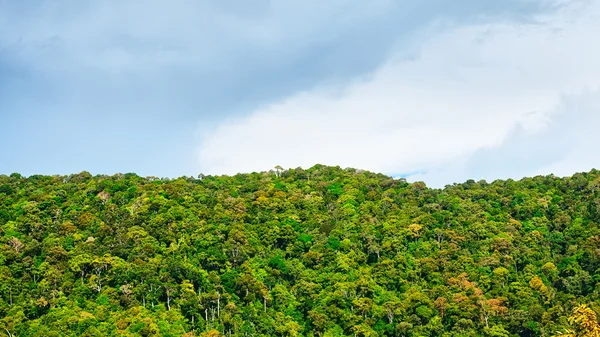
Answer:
(168, 300)
(218, 304)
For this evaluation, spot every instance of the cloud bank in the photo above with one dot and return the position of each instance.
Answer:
(441, 106)
(118, 86)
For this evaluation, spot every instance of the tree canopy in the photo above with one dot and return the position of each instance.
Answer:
(323, 251)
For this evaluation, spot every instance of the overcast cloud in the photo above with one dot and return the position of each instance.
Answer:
(518, 96)
(431, 90)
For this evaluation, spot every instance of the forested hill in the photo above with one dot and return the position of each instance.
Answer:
(317, 252)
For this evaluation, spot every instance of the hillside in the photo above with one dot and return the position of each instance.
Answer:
(317, 252)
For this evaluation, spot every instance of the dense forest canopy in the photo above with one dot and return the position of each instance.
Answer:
(318, 252)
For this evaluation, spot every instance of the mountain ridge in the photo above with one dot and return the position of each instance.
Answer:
(324, 251)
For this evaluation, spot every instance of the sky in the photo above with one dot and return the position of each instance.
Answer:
(430, 90)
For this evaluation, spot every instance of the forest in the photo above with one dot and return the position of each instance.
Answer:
(318, 252)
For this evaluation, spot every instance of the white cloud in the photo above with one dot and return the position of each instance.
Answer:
(466, 91)
(565, 144)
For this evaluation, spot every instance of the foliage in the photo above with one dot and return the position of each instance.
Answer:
(318, 252)
(585, 322)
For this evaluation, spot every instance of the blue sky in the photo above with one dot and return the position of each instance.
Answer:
(436, 90)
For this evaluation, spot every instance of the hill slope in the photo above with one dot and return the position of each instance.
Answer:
(323, 251)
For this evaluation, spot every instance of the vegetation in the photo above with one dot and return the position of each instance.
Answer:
(317, 252)
(585, 321)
